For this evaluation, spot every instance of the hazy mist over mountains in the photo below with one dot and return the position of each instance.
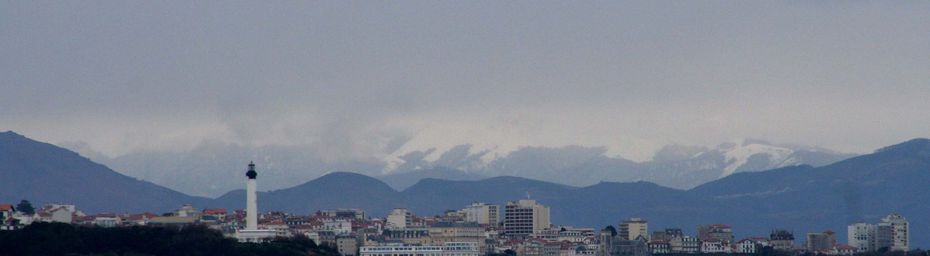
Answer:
(799, 198)
(212, 169)
(362, 84)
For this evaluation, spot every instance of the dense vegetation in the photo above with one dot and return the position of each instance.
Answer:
(64, 239)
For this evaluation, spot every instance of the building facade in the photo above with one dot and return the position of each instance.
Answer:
(893, 233)
(720, 232)
(525, 217)
(862, 236)
(820, 242)
(447, 249)
(446, 232)
(781, 240)
(399, 218)
(483, 214)
(634, 227)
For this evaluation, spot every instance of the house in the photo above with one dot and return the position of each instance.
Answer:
(751, 245)
(6, 211)
(7, 222)
(56, 213)
(278, 226)
(781, 240)
(218, 214)
(713, 245)
(141, 219)
(657, 246)
(107, 220)
(340, 227)
(188, 210)
(347, 245)
(584, 250)
(843, 249)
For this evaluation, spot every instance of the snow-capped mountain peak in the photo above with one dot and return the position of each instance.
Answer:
(738, 155)
(466, 157)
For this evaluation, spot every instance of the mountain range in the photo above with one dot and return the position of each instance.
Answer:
(209, 166)
(802, 198)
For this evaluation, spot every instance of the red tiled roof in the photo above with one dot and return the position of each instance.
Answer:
(845, 247)
(6, 207)
(214, 211)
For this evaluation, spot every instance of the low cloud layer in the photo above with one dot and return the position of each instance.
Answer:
(363, 79)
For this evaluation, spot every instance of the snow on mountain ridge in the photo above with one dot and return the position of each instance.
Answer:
(739, 154)
(485, 154)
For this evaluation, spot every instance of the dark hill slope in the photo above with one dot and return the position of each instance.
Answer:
(863, 188)
(44, 173)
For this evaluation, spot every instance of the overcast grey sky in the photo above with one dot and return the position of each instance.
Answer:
(358, 76)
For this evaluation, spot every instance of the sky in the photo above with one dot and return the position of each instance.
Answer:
(364, 78)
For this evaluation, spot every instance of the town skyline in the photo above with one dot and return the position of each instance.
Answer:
(465, 128)
(571, 203)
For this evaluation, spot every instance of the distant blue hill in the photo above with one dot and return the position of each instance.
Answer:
(44, 173)
(404, 180)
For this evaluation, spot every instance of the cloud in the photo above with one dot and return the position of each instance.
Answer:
(357, 79)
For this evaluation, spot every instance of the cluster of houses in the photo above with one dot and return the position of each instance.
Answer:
(521, 228)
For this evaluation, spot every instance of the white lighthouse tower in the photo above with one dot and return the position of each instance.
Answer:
(251, 233)
(251, 203)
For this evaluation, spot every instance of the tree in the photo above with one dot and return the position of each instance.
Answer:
(65, 239)
(25, 206)
(510, 252)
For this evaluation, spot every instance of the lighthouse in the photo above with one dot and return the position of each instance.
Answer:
(251, 233)
(251, 200)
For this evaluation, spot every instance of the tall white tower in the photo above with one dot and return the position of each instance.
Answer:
(251, 233)
(251, 200)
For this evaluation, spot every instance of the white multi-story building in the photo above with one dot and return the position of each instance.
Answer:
(751, 245)
(525, 217)
(399, 218)
(445, 232)
(338, 227)
(356, 214)
(715, 246)
(634, 227)
(188, 210)
(893, 233)
(447, 249)
(575, 235)
(56, 213)
(483, 214)
(863, 236)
